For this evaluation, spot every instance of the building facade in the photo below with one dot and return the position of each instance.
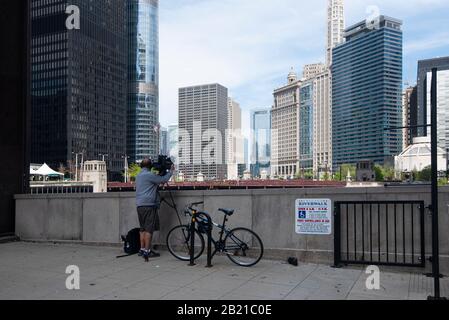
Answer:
(367, 93)
(234, 139)
(409, 116)
(335, 27)
(285, 128)
(424, 95)
(322, 125)
(260, 141)
(163, 142)
(312, 70)
(78, 80)
(143, 79)
(306, 125)
(203, 120)
(172, 139)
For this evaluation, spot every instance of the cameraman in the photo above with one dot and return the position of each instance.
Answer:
(147, 201)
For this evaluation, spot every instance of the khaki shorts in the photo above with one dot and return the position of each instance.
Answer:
(148, 219)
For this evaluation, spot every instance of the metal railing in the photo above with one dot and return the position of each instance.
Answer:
(379, 233)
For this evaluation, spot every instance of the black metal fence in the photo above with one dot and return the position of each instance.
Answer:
(379, 233)
(61, 189)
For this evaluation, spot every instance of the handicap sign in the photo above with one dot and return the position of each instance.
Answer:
(313, 216)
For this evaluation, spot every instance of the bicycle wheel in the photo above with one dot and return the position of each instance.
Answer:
(178, 243)
(243, 247)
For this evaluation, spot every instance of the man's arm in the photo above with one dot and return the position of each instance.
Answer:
(156, 179)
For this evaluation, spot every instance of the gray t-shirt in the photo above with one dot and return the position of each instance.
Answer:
(146, 188)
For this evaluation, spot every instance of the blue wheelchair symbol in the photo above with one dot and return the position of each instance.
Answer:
(301, 215)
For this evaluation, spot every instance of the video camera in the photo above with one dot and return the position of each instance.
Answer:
(163, 164)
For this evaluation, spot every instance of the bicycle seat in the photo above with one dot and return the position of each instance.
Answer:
(227, 212)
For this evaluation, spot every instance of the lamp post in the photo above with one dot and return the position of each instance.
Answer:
(126, 157)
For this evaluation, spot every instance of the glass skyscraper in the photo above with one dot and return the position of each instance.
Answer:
(261, 141)
(143, 79)
(367, 93)
(78, 80)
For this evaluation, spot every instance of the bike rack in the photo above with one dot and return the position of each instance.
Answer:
(192, 238)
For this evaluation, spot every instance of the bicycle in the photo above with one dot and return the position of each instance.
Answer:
(241, 245)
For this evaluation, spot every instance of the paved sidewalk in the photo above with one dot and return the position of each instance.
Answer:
(37, 271)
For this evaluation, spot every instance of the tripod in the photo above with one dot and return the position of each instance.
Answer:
(171, 203)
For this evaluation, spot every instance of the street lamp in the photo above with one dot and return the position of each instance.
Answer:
(126, 157)
(103, 155)
(76, 162)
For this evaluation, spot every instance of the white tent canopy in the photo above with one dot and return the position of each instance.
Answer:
(45, 170)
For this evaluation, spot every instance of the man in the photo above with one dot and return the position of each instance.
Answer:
(147, 201)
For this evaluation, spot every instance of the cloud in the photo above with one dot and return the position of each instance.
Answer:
(250, 45)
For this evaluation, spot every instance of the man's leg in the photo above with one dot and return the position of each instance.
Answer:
(147, 240)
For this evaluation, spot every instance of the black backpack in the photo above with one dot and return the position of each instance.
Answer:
(131, 244)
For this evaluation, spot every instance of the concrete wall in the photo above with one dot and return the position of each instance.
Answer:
(102, 218)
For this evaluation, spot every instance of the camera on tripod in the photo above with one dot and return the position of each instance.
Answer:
(163, 164)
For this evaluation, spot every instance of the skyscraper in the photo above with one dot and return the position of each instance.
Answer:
(306, 125)
(143, 79)
(163, 141)
(424, 85)
(260, 141)
(234, 139)
(409, 116)
(78, 83)
(335, 27)
(173, 142)
(322, 124)
(285, 128)
(367, 93)
(203, 120)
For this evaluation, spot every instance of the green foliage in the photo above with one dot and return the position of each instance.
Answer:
(133, 171)
(442, 182)
(384, 173)
(342, 173)
(424, 175)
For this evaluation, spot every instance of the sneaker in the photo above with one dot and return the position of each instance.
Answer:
(141, 252)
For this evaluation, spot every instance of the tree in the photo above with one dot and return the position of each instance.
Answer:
(423, 175)
(342, 173)
(133, 171)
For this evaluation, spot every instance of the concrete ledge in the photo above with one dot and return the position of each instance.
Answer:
(103, 218)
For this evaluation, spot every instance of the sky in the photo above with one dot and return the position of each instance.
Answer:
(249, 46)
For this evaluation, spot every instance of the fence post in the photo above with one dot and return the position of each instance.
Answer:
(337, 236)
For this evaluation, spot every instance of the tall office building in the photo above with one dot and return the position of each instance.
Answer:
(335, 27)
(367, 93)
(322, 124)
(424, 103)
(163, 141)
(409, 116)
(78, 83)
(173, 142)
(260, 141)
(312, 70)
(203, 120)
(306, 125)
(143, 79)
(234, 139)
(285, 128)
